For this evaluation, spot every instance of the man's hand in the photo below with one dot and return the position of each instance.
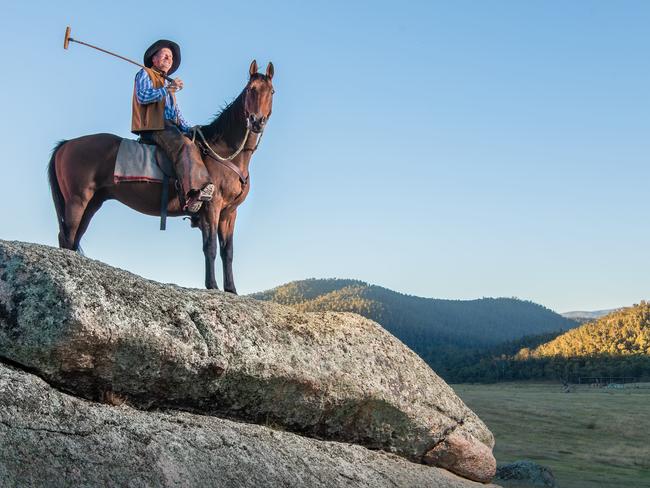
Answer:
(176, 86)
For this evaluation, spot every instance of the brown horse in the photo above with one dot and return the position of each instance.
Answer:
(81, 177)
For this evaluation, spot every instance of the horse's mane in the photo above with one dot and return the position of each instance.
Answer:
(226, 120)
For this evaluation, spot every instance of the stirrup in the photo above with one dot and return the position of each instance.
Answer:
(205, 195)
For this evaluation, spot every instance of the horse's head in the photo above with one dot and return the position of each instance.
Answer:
(258, 98)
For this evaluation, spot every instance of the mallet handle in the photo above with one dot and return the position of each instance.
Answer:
(116, 55)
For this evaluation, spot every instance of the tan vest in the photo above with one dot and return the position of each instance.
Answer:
(150, 116)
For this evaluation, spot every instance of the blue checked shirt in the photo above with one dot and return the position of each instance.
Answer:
(146, 93)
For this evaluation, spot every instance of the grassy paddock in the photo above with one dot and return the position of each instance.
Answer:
(589, 438)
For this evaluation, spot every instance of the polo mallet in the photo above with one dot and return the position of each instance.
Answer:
(67, 39)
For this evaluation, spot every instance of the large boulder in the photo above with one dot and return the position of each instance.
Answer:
(50, 439)
(91, 330)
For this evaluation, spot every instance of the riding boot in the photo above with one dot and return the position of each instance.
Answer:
(193, 177)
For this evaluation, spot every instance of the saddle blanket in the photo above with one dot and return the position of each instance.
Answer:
(141, 162)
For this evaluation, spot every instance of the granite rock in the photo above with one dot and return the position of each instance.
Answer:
(92, 330)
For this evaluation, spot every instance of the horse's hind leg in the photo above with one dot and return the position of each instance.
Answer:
(92, 207)
(74, 212)
(63, 236)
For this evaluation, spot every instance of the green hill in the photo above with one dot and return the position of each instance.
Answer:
(445, 333)
(481, 322)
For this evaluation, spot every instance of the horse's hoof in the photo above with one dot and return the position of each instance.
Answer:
(231, 290)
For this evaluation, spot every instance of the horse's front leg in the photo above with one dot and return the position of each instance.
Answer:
(208, 223)
(226, 231)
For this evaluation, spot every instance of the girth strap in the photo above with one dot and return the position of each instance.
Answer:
(164, 201)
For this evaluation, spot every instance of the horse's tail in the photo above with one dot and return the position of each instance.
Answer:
(57, 196)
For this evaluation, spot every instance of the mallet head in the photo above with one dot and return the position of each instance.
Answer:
(66, 39)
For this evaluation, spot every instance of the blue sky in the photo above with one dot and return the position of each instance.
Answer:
(442, 149)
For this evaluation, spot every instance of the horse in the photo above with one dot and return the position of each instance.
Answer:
(80, 173)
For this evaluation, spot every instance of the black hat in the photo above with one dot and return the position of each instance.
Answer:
(157, 46)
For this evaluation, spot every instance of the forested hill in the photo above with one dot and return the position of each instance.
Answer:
(423, 322)
(625, 332)
(617, 345)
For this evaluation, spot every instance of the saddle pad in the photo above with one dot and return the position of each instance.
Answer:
(140, 162)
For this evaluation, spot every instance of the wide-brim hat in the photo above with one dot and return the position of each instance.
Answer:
(157, 46)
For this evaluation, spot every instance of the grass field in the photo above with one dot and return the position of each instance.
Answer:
(589, 437)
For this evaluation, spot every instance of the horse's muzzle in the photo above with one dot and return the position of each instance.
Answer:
(256, 123)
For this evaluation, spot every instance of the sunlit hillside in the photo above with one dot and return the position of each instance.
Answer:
(624, 332)
(614, 348)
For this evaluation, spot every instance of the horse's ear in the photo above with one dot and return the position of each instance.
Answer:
(253, 69)
(269, 71)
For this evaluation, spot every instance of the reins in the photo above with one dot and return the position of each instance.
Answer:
(226, 161)
(216, 156)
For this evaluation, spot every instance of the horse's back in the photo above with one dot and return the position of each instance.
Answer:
(89, 158)
(93, 145)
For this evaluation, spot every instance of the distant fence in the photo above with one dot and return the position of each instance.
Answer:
(606, 380)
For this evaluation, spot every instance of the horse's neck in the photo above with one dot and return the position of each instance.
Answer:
(232, 141)
(244, 158)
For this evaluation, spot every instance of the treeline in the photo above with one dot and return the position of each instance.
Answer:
(488, 365)
(484, 368)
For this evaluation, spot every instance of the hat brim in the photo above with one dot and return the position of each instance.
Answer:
(157, 46)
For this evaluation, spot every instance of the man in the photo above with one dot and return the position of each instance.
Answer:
(158, 120)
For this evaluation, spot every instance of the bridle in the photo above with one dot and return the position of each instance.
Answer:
(227, 160)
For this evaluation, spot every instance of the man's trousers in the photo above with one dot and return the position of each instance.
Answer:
(190, 170)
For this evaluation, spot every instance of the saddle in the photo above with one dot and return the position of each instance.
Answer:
(140, 162)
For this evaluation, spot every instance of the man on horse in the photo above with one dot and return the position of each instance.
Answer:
(158, 120)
